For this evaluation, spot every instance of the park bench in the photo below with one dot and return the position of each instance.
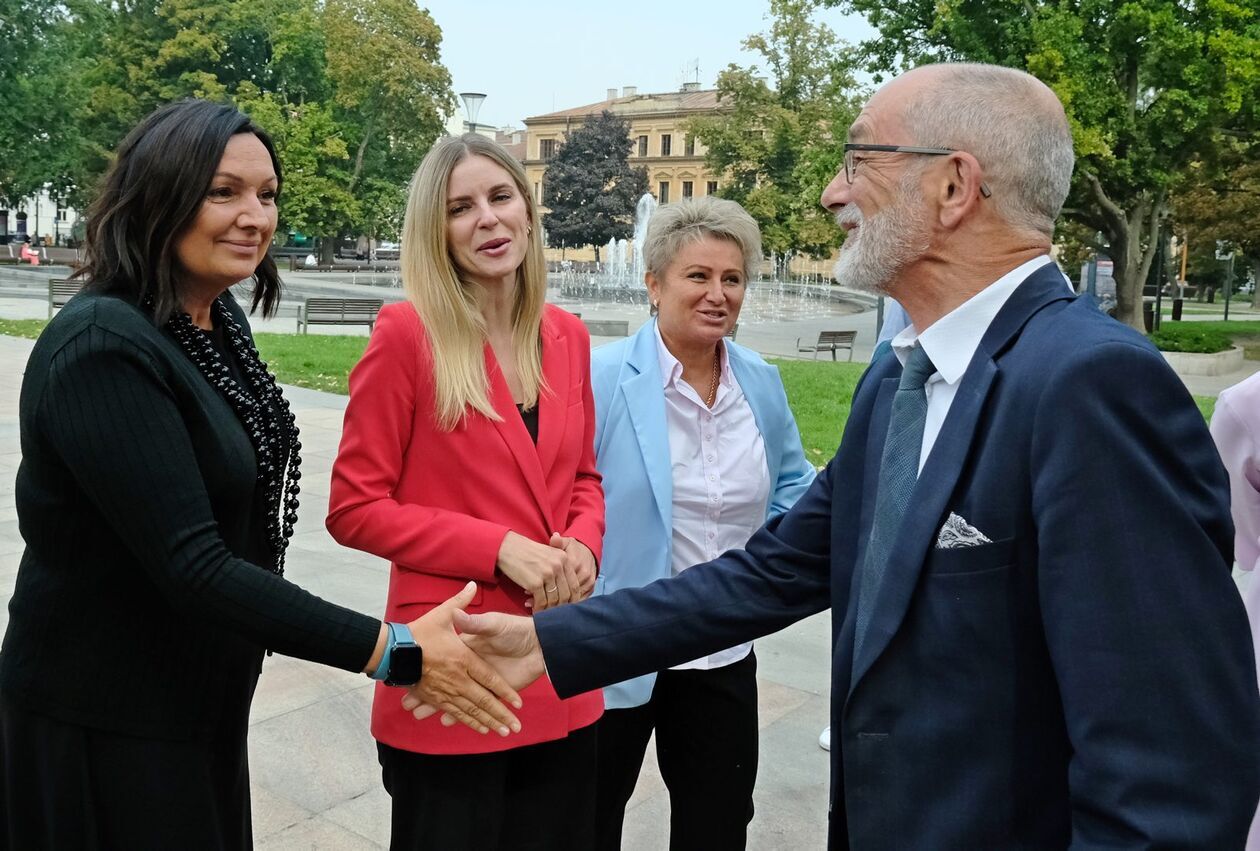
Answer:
(61, 291)
(607, 327)
(829, 341)
(298, 264)
(339, 311)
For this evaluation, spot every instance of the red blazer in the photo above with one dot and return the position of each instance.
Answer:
(438, 503)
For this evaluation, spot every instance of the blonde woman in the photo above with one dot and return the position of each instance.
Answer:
(467, 453)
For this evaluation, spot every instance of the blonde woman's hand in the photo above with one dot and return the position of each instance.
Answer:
(537, 568)
(579, 563)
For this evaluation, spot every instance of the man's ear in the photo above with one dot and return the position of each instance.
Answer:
(962, 190)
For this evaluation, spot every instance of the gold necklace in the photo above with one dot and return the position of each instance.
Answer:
(713, 383)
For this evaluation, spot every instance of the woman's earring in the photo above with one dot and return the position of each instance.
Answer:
(529, 230)
(656, 303)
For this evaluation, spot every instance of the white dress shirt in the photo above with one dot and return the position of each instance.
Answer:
(951, 342)
(720, 477)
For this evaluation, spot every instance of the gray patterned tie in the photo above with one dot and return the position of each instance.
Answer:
(898, 471)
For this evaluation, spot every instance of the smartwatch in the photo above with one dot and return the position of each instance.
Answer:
(403, 660)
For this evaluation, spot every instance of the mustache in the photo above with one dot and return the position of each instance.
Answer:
(849, 215)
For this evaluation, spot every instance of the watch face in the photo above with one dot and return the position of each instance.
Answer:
(404, 666)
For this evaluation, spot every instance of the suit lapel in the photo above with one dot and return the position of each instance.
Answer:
(645, 403)
(512, 429)
(931, 492)
(939, 478)
(553, 403)
(753, 379)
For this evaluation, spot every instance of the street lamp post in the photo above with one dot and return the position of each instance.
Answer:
(1221, 254)
(472, 106)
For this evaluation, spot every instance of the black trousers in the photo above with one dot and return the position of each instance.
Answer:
(534, 798)
(706, 746)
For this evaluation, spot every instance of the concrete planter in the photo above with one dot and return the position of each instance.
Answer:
(1190, 363)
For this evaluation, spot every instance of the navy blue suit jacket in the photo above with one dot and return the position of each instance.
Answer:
(1086, 679)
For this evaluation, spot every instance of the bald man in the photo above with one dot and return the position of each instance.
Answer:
(1024, 538)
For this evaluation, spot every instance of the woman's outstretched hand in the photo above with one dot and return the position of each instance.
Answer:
(508, 643)
(454, 679)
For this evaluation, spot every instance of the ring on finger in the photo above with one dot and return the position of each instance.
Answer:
(552, 589)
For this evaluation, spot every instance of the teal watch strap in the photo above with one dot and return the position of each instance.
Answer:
(382, 668)
(400, 635)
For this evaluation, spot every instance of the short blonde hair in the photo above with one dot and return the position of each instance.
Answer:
(447, 305)
(674, 225)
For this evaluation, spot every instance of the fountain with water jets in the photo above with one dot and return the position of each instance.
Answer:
(770, 299)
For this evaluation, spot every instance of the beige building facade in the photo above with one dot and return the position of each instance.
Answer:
(674, 160)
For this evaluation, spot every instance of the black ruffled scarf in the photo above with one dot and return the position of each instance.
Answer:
(262, 410)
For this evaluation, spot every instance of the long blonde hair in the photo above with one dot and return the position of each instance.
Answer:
(448, 306)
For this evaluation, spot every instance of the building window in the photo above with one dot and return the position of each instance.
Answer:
(667, 142)
(662, 196)
(643, 146)
(686, 188)
(61, 214)
(711, 188)
(546, 148)
(689, 146)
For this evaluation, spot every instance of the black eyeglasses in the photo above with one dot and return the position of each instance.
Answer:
(850, 164)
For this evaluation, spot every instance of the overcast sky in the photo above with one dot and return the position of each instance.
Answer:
(530, 58)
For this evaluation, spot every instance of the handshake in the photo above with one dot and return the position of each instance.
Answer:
(472, 676)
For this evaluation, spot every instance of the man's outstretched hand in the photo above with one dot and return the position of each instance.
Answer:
(507, 642)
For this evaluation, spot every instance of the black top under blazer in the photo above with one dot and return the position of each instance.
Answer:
(139, 605)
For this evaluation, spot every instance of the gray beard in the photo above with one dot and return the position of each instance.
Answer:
(882, 245)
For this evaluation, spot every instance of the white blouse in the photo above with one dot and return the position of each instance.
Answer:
(720, 477)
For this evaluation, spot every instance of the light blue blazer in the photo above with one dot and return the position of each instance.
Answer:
(632, 454)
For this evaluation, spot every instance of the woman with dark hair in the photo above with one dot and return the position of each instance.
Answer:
(156, 495)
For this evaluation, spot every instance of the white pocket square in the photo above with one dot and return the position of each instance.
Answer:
(956, 532)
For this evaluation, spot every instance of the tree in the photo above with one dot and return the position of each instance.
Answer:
(591, 190)
(777, 143)
(314, 199)
(352, 92)
(1221, 201)
(1149, 86)
(41, 96)
(384, 63)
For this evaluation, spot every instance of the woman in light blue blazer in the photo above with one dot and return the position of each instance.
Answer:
(697, 448)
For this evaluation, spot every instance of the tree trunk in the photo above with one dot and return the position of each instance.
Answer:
(1255, 278)
(597, 255)
(1128, 282)
(358, 157)
(327, 250)
(1133, 247)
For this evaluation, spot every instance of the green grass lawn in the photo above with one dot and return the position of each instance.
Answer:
(317, 361)
(28, 328)
(818, 391)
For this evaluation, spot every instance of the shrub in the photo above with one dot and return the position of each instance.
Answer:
(1190, 337)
